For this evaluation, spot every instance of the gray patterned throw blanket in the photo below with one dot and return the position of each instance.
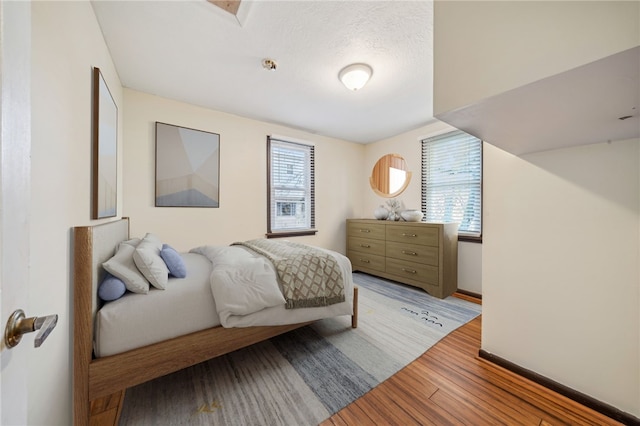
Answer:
(309, 276)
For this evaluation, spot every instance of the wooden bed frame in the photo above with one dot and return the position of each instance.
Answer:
(99, 384)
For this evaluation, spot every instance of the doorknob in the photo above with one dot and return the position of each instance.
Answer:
(17, 325)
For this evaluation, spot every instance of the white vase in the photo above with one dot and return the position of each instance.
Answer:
(381, 213)
(412, 215)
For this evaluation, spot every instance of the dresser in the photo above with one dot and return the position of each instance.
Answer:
(420, 254)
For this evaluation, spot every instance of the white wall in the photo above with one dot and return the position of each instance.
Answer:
(483, 48)
(243, 176)
(66, 44)
(560, 266)
(408, 145)
(560, 248)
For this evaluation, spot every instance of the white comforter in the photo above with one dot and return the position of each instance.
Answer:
(187, 304)
(245, 287)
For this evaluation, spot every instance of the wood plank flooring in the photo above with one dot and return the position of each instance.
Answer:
(450, 385)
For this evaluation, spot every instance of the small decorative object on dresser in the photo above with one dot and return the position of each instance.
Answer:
(420, 254)
(395, 206)
(381, 213)
(412, 215)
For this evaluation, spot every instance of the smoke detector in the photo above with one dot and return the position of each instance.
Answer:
(269, 64)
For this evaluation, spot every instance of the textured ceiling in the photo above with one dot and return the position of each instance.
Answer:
(195, 52)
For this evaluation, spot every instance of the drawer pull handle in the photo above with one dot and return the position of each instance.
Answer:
(410, 253)
(365, 245)
(411, 271)
(365, 261)
(409, 235)
(365, 230)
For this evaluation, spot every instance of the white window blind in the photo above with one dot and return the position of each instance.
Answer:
(291, 186)
(452, 181)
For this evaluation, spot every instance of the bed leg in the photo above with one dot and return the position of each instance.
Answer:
(106, 410)
(354, 317)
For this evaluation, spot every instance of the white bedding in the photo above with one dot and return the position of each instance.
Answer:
(187, 305)
(135, 320)
(242, 282)
(263, 310)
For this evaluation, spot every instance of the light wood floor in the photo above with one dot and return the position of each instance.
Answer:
(450, 385)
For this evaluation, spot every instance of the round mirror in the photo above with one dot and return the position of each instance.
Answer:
(390, 176)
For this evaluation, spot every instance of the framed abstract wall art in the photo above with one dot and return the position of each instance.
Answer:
(187, 167)
(105, 150)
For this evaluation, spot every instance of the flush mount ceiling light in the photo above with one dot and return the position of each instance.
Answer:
(355, 76)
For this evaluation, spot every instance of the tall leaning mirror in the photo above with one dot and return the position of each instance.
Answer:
(390, 177)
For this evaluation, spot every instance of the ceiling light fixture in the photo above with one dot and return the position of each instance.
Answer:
(355, 76)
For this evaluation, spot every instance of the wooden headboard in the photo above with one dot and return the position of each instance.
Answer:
(92, 245)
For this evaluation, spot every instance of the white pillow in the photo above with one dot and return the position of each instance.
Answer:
(122, 266)
(132, 242)
(147, 258)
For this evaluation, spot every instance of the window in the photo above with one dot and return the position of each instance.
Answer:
(288, 209)
(452, 182)
(291, 192)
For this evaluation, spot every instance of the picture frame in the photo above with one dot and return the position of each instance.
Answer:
(105, 150)
(187, 167)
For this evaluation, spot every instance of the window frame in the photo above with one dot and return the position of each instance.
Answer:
(272, 203)
(423, 201)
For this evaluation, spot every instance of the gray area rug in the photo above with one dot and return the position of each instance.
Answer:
(306, 375)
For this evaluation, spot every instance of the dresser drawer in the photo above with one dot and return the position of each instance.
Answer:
(426, 255)
(365, 261)
(366, 230)
(423, 235)
(366, 245)
(414, 272)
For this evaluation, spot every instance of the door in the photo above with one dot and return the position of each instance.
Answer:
(15, 189)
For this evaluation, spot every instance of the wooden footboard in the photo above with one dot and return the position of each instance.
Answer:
(99, 384)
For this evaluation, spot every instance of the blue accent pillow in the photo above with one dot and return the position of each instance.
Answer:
(111, 288)
(174, 261)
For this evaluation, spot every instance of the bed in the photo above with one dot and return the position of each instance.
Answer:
(100, 382)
